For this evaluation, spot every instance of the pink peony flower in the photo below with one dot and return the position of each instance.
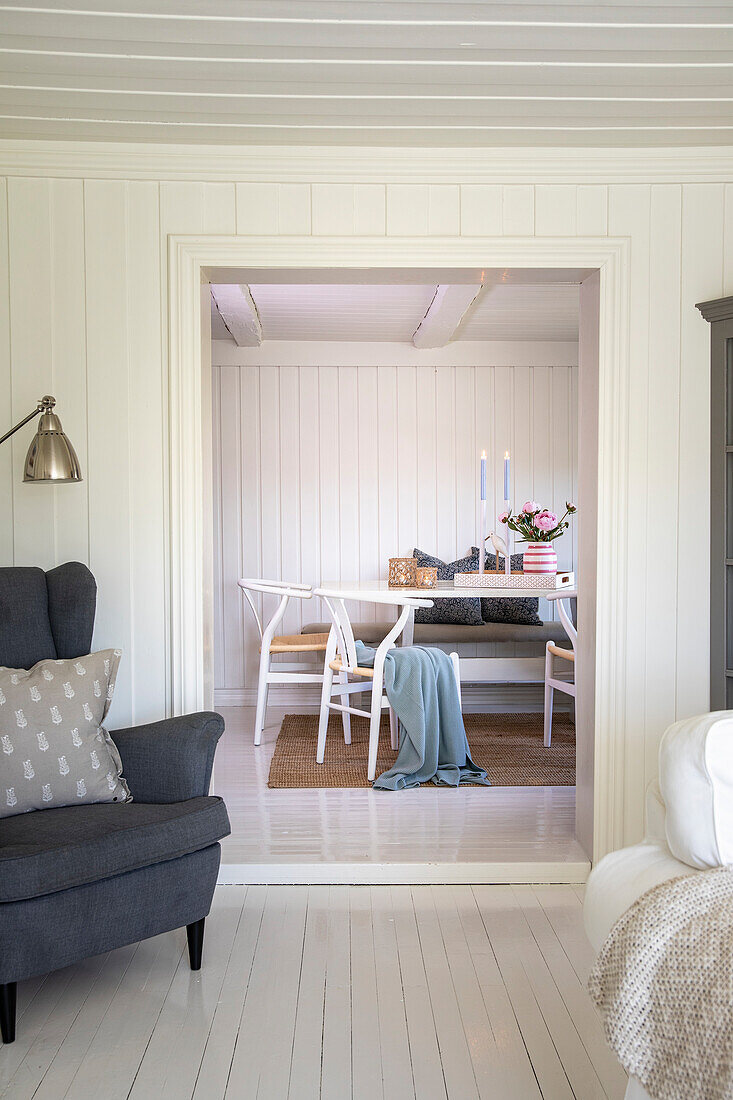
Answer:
(530, 507)
(545, 521)
(503, 517)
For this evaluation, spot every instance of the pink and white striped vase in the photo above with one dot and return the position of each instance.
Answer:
(540, 557)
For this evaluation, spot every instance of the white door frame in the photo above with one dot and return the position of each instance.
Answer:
(191, 621)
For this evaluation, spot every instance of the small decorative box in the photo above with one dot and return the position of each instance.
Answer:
(514, 580)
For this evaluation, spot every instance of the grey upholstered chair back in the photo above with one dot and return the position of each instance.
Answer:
(45, 615)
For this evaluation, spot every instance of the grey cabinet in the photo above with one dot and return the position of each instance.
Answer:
(720, 315)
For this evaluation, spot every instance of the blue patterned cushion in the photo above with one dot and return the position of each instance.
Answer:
(465, 612)
(497, 610)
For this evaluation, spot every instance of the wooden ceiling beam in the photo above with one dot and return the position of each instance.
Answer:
(445, 313)
(239, 313)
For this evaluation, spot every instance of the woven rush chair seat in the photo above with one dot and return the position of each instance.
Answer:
(299, 643)
(337, 666)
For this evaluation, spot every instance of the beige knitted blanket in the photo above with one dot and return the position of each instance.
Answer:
(664, 984)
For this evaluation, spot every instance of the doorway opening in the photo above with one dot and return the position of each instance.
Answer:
(349, 410)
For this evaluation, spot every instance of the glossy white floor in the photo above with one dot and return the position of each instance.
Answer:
(330, 993)
(502, 834)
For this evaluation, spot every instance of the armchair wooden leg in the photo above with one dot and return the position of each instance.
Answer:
(8, 996)
(195, 934)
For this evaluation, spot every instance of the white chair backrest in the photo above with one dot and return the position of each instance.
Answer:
(563, 608)
(335, 601)
(284, 589)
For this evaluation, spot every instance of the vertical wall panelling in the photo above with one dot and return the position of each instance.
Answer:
(324, 473)
(728, 241)
(408, 209)
(68, 359)
(445, 476)
(481, 210)
(368, 414)
(111, 508)
(555, 210)
(309, 429)
(518, 210)
(149, 637)
(251, 510)
(31, 327)
(661, 489)
(701, 280)
(629, 210)
(290, 480)
(7, 412)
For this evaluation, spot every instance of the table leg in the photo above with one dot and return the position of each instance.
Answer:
(406, 638)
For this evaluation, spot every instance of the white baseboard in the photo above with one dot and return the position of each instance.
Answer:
(475, 697)
(401, 874)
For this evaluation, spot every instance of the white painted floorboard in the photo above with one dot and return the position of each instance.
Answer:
(320, 828)
(329, 993)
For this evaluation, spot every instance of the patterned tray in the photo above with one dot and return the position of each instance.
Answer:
(514, 580)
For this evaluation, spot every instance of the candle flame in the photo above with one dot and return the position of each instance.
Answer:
(483, 454)
(506, 454)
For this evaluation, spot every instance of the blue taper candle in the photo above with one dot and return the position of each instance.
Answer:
(507, 477)
(483, 475)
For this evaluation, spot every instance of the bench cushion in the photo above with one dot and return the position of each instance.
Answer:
(457, 634)
(42, 853)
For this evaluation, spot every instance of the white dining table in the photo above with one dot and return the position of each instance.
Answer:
(473, 669)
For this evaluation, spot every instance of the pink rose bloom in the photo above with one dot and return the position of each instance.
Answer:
(545, 521)
(530, 507)
(503, 517)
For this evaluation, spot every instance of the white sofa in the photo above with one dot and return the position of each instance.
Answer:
(689, 827)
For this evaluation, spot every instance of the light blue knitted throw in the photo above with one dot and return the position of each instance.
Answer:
(421, 689)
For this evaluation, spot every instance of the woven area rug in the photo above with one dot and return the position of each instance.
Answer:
(509, 746)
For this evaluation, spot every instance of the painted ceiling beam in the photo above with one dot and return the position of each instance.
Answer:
(239, 313)
(445, 313)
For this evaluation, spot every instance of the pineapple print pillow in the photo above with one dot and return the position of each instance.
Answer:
(54, 750)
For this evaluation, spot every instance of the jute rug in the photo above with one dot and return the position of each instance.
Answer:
(508, 746)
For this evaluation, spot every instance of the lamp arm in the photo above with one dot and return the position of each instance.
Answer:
(44, 405)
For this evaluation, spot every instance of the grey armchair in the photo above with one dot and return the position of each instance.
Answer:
(80, 880)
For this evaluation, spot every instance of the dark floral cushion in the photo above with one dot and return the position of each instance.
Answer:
(522, 611)
(464, 612)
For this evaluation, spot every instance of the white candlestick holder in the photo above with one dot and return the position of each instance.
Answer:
(508, 540)
(482, 541)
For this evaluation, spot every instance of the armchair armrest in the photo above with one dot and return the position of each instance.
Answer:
(169, 761)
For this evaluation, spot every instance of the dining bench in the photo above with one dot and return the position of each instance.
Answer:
(490, 652)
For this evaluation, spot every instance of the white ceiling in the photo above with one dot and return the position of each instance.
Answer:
(523, 313)
(393, 312)
(350, 72)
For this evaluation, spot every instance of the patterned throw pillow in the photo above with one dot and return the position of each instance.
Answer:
(521, 611)
(55, 750)
(464, 612)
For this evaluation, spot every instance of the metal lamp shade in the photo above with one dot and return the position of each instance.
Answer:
(51, 456)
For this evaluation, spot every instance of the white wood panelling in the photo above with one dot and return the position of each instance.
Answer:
(317, 450)
(313, 311)
(610, 74)
(523, 313)
(686, 197)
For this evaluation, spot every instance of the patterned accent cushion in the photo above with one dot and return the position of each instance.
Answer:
(55, 750)
(522, 611)
(465, 612)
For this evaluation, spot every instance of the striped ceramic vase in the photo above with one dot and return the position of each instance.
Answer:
(540, 557)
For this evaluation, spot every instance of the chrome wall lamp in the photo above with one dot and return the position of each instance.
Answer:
(51, 456)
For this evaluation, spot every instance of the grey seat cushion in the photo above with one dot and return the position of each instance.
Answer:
(44, 852)
(457, 633)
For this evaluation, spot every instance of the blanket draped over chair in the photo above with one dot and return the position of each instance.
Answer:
(421, 689)
(663, 982)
